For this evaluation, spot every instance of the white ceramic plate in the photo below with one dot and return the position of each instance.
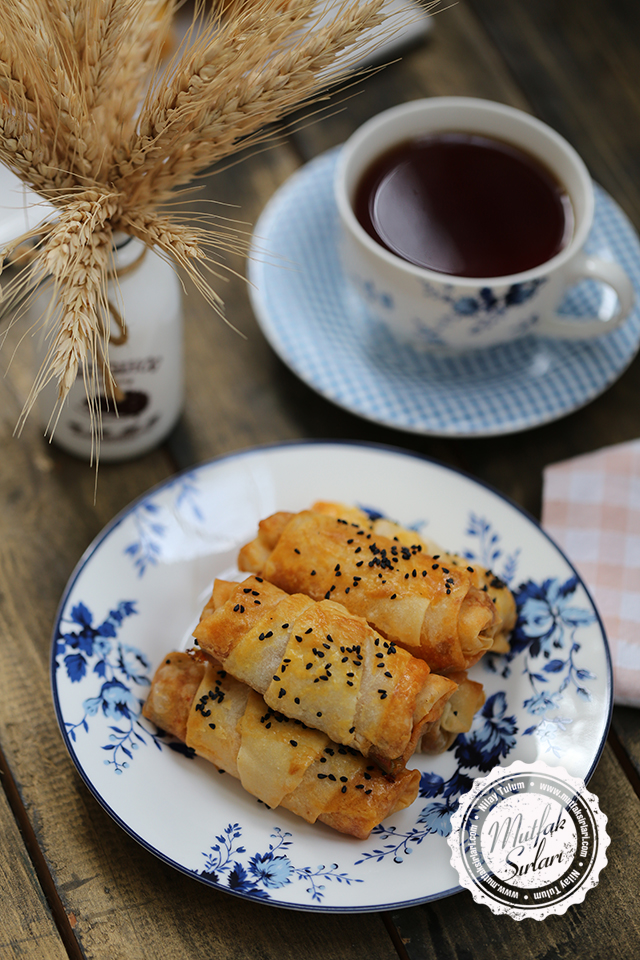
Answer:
(137, 593)
(320, 328)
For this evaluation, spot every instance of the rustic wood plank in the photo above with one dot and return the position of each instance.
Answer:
(578, 63)
(456, 59)
(231, 369)
(458, 928)
(27, 928)
(626, 726)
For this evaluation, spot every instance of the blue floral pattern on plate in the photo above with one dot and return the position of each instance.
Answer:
(120, 616)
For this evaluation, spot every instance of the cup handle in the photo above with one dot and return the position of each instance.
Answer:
(586, 267)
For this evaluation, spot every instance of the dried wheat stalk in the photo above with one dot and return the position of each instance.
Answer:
(92, 123)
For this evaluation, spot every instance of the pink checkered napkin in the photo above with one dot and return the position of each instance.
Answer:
(591, 508)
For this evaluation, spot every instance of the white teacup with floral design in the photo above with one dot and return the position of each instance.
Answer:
(436, 310)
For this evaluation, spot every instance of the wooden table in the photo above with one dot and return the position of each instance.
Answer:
(71, 881)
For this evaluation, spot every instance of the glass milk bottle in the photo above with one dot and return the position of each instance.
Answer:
(145, 355)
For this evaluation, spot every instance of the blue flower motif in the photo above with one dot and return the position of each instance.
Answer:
(488, 298)
(272, 871)
(115, 700)
(545, 612)
(543, 701)
(547, 616)
(264, 871)
(134, 664)
(93, 651)
(239, 882)
(520, 292)
(466, 306)
(431, 784)
(90, 640)
(437, 816)
(493, 740)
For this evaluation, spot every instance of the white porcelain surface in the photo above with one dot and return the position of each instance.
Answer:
(137, 594)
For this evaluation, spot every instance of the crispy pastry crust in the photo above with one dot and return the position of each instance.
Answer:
(418, 601)
(317, 663)
(278, 760)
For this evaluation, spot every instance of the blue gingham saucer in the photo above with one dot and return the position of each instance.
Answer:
(318, 327)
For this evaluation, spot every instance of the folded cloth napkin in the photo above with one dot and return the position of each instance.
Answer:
(591, 508)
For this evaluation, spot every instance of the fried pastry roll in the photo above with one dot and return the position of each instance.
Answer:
(457, 716)
(481, 577)
(280, 761)
(413, 599)
(314, 661)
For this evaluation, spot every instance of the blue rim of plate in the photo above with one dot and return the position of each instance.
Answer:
(319, 329)
(122, 516)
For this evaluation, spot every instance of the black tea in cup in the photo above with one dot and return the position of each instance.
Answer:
(465, 205)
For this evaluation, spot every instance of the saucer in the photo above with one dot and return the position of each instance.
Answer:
(318, 327)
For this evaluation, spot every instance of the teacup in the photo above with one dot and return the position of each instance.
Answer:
(442, 311)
